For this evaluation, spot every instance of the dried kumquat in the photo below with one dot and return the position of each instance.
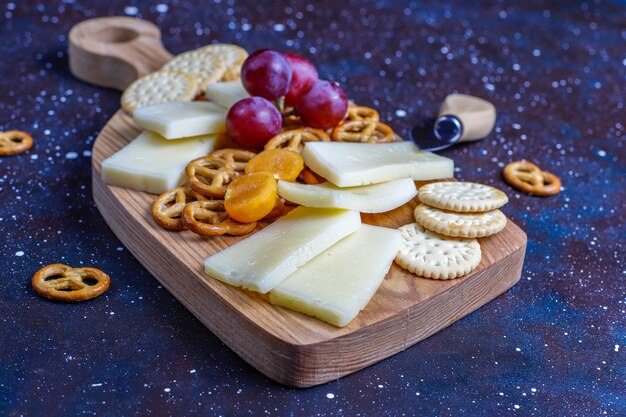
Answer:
(251, 197)
(284, 164)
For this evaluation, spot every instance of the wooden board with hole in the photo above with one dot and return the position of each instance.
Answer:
(287, 346)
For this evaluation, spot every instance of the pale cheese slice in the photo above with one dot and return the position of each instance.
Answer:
(348, 164)
(338, 283)
(177, 120)
(376, 198)
(263, 260)
(226, 93)
(151, 163)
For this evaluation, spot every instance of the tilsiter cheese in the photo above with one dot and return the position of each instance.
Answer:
(263, 260)
(225, 94)
(177, 120)
(338, 283)
(348, 164)
(153, 164)
(376, 198)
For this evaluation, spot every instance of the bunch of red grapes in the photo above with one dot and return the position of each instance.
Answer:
(271, 77)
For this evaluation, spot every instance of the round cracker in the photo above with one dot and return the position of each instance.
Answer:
(460, 224)
(430, 255)
(462, 196)
(205, 67)
(158, 87)
(232, 55)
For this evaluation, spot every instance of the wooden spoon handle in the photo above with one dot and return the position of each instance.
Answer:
(115, 51)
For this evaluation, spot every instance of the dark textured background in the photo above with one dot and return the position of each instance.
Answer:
(553, 345)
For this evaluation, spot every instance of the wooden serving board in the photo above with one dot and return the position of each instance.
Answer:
(287, 346)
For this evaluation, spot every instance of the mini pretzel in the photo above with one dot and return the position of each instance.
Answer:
(361, 113)
(209, 176)
(63, 283)
(235, 158)
(14, 142)
(167, 209)
(291, 118)
(528, 177)
(209, 218)
(294, 139)
(367, 131)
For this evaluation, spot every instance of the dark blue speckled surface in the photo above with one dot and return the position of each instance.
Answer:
(553, 345)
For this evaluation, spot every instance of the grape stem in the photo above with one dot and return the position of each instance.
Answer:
(280, 103)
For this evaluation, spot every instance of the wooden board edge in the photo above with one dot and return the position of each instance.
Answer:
(447, 307)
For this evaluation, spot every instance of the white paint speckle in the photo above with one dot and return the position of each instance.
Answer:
(400, 113)
(166, 389)
(131, 10)
(98, 384)
(617, 348)
(518, 349)
(330, 395)
(162, 8)
(193, 371)
(71, 155)
(516, 407)
(601, 152)
(279, 27)
(19, 253)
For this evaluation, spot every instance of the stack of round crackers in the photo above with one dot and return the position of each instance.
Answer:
(442, 244)
(185, 76)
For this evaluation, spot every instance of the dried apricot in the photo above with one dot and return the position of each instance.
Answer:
(251, 197)
(282, 163)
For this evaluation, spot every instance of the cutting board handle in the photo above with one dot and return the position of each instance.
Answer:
(115, 51)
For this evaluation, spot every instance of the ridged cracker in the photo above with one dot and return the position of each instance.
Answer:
(159, 87)
(205, 67)
(460, 224)
(232, 55)
(462, 196)
(430, 255)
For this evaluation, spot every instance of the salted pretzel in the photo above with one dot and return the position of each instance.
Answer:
(14, 142)
(361, 113)
(209, 218)
(209, 176)
(235, 158)
(367, 131)
(63, 283)
(167, 209)
(294, 139)
(528, 177)
(291, 118)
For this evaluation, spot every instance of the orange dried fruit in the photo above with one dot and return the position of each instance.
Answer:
(251, 197)
(284, 164)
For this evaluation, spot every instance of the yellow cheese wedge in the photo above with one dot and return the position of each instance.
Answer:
(153, 164)
(348, 164)
(262, 261)
(338, 283)
(225, 94)
(177, 120)
(376, 198)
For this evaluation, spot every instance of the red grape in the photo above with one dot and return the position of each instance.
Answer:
(323, 106)
(303, 76)
(266, 74)
(253, 121)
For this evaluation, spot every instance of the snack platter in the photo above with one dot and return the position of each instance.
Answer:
(287, 346)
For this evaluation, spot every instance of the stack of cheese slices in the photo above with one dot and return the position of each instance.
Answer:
(319, 259)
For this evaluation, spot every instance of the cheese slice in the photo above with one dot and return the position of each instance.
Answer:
(262, 261)
(376, 198)
(177, 120)
(348, 164)
(153, 164)
(225, 94)
(338, 283)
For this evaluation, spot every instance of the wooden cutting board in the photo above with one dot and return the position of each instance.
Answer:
(289, 347)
